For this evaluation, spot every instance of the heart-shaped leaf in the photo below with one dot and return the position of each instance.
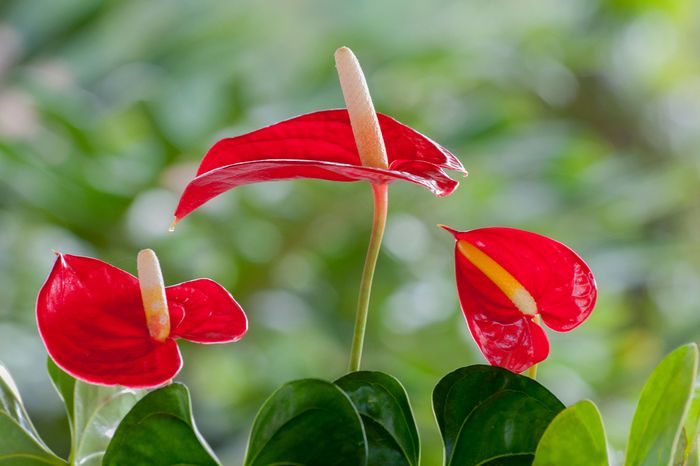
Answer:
(94, 412)
(160, 431)
(575, 437)
(20, 444)
(307, 422)
(662, 408)
(392, 436)
(490, 416)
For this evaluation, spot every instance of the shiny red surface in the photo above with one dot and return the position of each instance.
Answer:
(560, 282)
(92, 321)
(318, 145)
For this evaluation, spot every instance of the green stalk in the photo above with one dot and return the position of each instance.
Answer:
(532, 371)
(381, 201)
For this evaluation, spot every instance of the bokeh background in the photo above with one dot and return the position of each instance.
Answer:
(578, 119)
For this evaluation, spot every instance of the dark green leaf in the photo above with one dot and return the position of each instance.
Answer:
(94, 412)
(20, 444)
(662, 408)
(575, 437)
(307, 422)
(488, 415)
(160, 431)
(392, 436)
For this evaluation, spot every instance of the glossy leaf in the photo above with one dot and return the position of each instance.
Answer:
(575, 437)
(94, 412)
(506, 277)
(381, 400)
(160, 431)
(307, 422)
(662, 408)
(20, 444)
(489, 415)
(317, 145)
(91, 318)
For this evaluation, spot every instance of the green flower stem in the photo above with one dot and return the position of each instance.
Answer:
(532, 371)
(381, 201)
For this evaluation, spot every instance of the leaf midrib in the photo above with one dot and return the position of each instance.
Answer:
(391, 434)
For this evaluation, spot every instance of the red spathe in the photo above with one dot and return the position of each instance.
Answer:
(559, 281)
(317, 145)
(91, 319)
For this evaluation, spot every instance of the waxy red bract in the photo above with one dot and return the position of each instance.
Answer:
(91, 318)
(555, 277)
(318, 145)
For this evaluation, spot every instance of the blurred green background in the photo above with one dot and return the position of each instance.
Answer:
(577, 119)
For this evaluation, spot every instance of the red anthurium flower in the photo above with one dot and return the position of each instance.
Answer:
(105, 326)
(349, 144)
(318, 145)
(507, 280)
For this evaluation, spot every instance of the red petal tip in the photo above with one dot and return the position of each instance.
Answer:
(172, 226)
(448, 229)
